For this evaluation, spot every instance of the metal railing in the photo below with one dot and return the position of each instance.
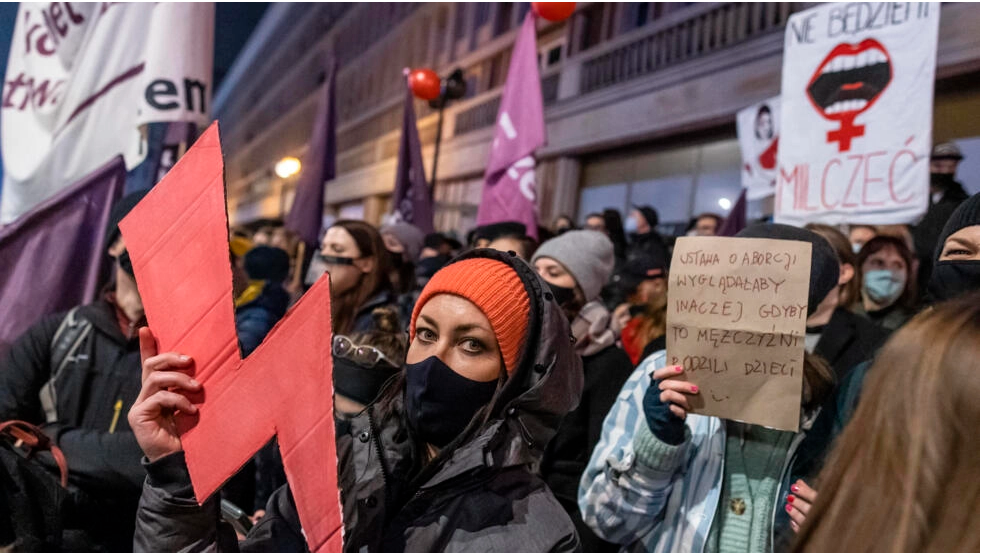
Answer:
(673, 40)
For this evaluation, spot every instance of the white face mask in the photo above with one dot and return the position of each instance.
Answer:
(631, 225)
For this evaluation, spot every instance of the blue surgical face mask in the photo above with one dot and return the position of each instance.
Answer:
(884, 286)
(856, 247)
(630, 226)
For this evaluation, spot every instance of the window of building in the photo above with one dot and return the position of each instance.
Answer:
(481, 14)
(678, 182)
(591, 26)
(635, 14)
(460, 21)
(505, 11)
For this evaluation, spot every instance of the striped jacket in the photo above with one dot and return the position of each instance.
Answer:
(653, 509)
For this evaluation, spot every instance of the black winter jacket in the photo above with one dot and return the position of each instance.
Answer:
(93, 394)
(482, 493)
(567, 455)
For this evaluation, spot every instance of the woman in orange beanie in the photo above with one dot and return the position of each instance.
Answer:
(447, 459)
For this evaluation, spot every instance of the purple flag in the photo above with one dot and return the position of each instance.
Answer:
(509, 180)
(737, 218)
(53, 257)
(413, 201)
(319, 166)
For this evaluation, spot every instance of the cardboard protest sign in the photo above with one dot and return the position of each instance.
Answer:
(177, 238)
(758, 129)
(736, 312)
(857, 111)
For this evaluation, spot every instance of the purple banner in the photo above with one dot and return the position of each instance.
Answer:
(413, 201)
(319, 166)
(53, 257)
(509, 180)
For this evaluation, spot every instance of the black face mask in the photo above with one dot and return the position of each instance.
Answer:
(126, 264)
(439, 402)
(942, 181)
(953, 278)
(396, 259)
(563, 295)
(337, 260)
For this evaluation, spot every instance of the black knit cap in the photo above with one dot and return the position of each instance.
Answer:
(966, 215)
(649, 213)
(825, 269)
(119, 211)
(503, 229)
(267, 263)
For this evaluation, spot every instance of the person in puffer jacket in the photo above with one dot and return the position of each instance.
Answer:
(445, 461)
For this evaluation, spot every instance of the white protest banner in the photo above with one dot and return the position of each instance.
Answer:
(736, 314)
(758, 129)
(857, 111)
(82, 77)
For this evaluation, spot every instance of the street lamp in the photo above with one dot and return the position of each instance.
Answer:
(287, 167)
(453, 88)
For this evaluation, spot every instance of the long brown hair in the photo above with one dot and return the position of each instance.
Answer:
(345, 306)
(848, 294)
(904, 474)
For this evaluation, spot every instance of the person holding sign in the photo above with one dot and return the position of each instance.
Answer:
(663, 479)
(445, 460)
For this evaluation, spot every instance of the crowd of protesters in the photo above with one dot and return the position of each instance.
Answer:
(513, 394)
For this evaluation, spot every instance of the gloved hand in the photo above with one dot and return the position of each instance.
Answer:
(666, 404)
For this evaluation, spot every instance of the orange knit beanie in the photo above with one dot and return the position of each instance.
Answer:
(495, 288)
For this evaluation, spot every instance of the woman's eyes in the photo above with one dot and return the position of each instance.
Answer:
(425, 335)
(472, 346)
(956, 252)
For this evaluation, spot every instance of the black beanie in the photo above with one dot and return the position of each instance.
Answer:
(494, 231)
(825, 268)
(650, 214)
(119, 211)
(966, 215)
(267, 263)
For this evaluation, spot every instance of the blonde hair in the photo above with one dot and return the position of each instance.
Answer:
(904, 474)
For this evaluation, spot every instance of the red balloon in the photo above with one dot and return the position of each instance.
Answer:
(553, 11)
(424, 84)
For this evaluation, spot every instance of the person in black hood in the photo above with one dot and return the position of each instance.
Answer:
(75, 375)
(264, 301)
(945, 195)
(446, 460)
(957, 254)
(644, 238)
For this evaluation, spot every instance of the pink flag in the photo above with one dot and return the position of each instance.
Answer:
(509, 181)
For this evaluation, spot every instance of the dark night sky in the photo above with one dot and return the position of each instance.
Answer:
(234, 22)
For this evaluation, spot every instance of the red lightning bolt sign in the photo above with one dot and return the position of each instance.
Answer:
(178, 240)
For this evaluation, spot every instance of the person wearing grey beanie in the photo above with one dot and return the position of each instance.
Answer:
(586, 255)
(576, 265)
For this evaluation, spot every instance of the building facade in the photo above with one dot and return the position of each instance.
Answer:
(640, 102)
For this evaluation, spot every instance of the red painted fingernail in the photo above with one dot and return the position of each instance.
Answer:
(678, 369)
(794, 488)
(694, 388)
(790, 499)
(789, 507)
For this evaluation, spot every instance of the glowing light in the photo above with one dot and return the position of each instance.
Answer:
(725, 203)
(287, 167)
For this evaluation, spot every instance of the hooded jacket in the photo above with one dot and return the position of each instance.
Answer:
(482, 493)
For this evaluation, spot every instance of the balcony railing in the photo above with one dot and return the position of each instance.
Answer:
(706, 30)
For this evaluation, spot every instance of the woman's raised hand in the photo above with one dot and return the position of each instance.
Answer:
(164, 384)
